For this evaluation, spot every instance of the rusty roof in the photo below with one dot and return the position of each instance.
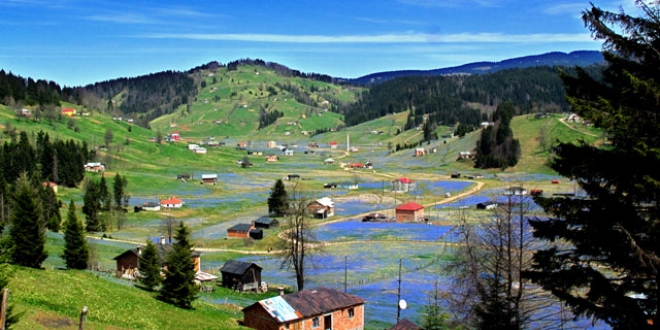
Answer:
(321, 300)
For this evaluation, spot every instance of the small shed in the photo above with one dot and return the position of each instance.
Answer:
(410, 211)
(515, 191)
(209, 179)
(151, 206)
(329, 161)
(242, 276)
(256, 233)
(293, 176)
(183, 177)
(241, 230)
(266, 223)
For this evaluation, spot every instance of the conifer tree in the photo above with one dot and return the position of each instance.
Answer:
(50, 208)
(179, 287)
(92, 207)
(603, 260)
(27, 234)
(76, 252)
(149, 266)
(278, 201)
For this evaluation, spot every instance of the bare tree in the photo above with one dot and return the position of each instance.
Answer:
(297, 238)
(489, 290)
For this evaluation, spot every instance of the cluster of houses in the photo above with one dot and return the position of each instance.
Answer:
(169, 203)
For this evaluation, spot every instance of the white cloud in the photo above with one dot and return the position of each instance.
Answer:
(380, 38)
(573, 9)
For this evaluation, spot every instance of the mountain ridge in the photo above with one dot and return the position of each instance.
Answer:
(575, 58)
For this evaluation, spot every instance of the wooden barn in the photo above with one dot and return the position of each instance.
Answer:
(410, 211)
(241, 230)
(266, 223)
(321, 208)
(242, 276)
(209, 179)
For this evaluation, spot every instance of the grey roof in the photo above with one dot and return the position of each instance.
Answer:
(237, 267)
(242, 227)
(321, 300)
(266, 220)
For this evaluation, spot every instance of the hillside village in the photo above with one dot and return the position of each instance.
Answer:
(250, 195)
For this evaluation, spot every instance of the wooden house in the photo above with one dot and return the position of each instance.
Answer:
(241, 230)
(241, 276)
(266, 223)
(171, 203)
(321, 208)
(410, 211)
(256, 233)
(319, 308)
(209, 179)
(129, 260)
(272, 159)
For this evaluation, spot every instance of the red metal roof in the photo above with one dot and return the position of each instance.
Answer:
(405, 180)
(410, 206)
(172, 200)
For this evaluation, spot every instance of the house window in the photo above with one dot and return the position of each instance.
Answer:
(351, 312)
(316, 322)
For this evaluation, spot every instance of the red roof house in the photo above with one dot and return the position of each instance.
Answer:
(69, 112)
(410, 211)
(402, 185)
(173, 203)
(333, 145)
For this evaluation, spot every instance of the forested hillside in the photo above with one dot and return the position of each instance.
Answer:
(467, 99)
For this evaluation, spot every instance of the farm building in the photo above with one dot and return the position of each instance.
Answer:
(151, 206)
(329, 161)
(193, 146)
(320, 308)
(69, 112)
(410, 211)
(173, 137)
(293, 176)
(171, 203)
(333, 145)
(200, 150)
(241, 230)
(405, 324)
(515, 191)
(288, 152)
(356, 165)
(374, 217)
(271, 144)
(466, 155)
(129, 260)
(266, 223)
(419, 152)
(272, 159)
(487, 205)
(94, 167)
(402, 185)
(331, 185)
(321, 208)
(256, 233)
(241, 276)
(183, 177)
(209, 179)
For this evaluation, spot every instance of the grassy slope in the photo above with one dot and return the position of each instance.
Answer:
(53, 298)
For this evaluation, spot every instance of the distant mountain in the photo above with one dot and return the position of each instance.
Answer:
(577, 58)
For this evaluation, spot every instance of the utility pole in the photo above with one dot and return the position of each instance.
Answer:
(345, 274)
(398, 295)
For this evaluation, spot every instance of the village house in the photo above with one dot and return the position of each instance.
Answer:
(241, 230)
(209, 179)
(356, 165)
(69, 112)
(241, 146)
(171, 203)
(405, 324)
(489, 205)
(403, 185)
(333, 145)
(466, 155)
(515, 191)
(200, 150)
(183, 177)
(288, 152)
(319, 308)
(321, 208)
(94, 167)
(52, 185)
(271, 144)
(192, 146)
(272, 159)
(328, 161)
(27, 113)
(173, 137)
(129, 260)
(419, 152)
(241, 276)
(409, 212)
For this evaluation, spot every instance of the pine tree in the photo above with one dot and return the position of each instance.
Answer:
(92, 207)
(605, 262)
(179, 287)
(50, 208)
(76, 252)
(278, 201)
(104, 195)
(149, 266)
(27, 234)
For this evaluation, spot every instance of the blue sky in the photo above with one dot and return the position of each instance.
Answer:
(79, 42)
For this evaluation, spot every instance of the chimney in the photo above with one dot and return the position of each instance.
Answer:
(280, 290)
(162, 240)
(139, 250)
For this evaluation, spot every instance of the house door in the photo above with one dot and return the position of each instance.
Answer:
(327, 322)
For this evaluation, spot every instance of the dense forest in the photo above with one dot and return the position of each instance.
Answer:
(448, 100)
(18, 91)
(496, 147)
